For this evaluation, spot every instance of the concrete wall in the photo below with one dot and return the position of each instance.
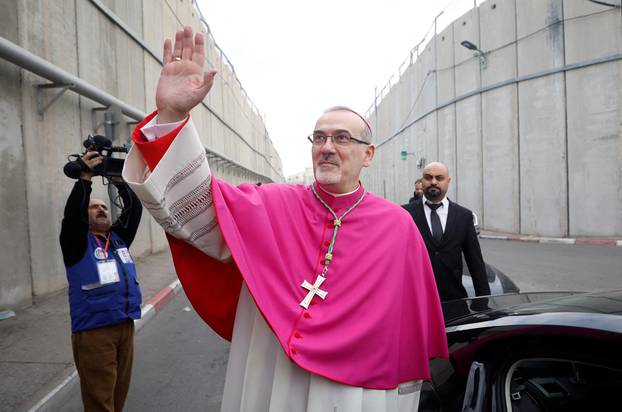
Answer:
(532, 137)
(81, 39)
(16, 282)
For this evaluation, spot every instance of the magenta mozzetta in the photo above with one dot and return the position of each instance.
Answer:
(366, 324)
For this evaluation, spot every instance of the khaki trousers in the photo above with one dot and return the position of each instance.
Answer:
(103, 358)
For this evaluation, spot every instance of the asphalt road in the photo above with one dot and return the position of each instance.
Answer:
(556, 267)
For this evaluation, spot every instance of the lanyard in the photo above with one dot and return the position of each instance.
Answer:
(336, 223)
(100, 245)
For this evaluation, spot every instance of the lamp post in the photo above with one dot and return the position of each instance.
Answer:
(483, 61)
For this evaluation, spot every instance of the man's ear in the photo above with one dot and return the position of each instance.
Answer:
(369, 154)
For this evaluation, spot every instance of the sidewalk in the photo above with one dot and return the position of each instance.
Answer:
(541, 239)
(36, 361)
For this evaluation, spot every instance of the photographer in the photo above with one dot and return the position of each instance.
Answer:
(104, 296)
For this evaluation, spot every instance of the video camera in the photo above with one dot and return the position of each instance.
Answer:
(110, 167)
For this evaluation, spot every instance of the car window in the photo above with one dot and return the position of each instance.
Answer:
(534, 385)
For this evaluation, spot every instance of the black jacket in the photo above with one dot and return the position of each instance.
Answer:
(458, 238)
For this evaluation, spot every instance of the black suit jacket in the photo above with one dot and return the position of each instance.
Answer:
(446, 256)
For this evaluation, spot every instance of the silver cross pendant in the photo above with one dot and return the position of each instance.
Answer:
(313, 290)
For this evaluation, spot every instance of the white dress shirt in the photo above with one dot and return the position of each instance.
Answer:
(441, 212)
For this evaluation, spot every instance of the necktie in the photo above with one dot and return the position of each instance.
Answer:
(437, 228)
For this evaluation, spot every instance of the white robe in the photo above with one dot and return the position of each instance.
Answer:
(259, 375)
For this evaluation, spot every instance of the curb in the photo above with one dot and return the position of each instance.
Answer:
(147, 312)
(556, 240)
(156, 303)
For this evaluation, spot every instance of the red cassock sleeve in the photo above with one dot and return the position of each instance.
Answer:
(213, 287)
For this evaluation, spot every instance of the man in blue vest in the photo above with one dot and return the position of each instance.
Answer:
(104, 296)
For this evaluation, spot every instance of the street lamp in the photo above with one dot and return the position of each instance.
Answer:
(482, 55)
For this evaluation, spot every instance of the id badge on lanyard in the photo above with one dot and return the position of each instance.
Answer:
(106, 268)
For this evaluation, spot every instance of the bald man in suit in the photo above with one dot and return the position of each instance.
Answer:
(448, 231)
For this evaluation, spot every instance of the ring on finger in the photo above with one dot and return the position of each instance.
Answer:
(176, 58)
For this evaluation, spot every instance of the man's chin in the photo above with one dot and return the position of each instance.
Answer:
(328, 178)
(101, 226)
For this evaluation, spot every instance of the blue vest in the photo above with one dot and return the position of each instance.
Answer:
(93, 305)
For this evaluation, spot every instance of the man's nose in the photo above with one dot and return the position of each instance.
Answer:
(328, 146)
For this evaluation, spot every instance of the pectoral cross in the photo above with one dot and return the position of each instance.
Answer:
(313, 290)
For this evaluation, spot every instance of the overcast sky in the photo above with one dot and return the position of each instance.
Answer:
(296, 58)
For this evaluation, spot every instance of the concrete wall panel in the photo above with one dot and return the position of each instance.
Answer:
(497, 24)
(447, 144)
(130, 71)
(574, 9)
(445, 70)
(383, 125)
(421, 142)
(130, 12)
(467, 77)
(543, 184)
(16, 283)
(97, 60)
(595, 150)
(467, 69)
(49, 31)
(540, 35)
(404, 109)
(425, 86)
(155, 32)
(500, 66)
(500, 160)
(469, 154)
(170, 25)
(534, 15)
(591, 37)
(45, 157)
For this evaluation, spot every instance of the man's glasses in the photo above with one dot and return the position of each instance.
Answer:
(342, 139)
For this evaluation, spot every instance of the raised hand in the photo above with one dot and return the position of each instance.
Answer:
(182, 84)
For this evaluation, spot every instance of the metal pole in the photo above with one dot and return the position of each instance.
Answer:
(31, 62)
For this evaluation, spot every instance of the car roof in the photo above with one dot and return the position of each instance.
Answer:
(563, 308)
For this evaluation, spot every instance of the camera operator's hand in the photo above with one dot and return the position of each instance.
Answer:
(182, 84)
(91, 160)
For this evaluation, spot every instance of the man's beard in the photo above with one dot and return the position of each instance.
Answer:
(433, 193)
(327, 177)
